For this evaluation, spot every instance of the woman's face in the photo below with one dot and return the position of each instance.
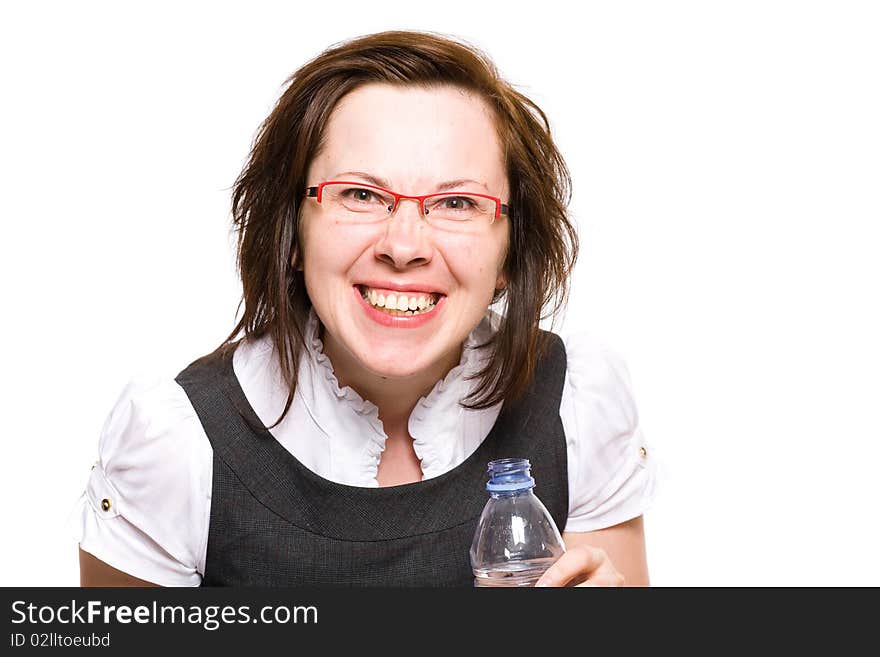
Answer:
(414, 139)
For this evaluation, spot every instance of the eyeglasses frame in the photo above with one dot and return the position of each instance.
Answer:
(317, 192)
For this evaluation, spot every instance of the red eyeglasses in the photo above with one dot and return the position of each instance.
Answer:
(359, 201)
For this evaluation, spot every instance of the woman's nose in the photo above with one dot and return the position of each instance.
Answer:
(405, 239)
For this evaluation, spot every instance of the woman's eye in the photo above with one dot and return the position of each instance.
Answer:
(363, 195)
(458, 203)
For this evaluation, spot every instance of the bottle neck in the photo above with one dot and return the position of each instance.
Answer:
(511, 493)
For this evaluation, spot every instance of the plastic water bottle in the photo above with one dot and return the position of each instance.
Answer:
(516, 539)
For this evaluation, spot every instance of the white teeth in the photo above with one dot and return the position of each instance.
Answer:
(399, 304)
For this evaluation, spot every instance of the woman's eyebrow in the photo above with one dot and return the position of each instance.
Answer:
(381, 182)
(452, 184)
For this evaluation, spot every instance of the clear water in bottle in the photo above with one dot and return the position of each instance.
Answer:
(512, 573)
(516, 539)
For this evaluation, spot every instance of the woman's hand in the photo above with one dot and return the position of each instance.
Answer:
(582, 565)
(587, 560)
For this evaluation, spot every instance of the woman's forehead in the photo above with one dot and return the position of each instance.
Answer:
(441, 133)
(439, 105)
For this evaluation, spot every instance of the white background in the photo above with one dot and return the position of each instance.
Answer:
(725, 159)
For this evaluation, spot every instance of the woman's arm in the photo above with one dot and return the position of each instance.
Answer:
(613, 556)
(94, 572)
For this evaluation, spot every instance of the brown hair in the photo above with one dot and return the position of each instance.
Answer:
(268, 194)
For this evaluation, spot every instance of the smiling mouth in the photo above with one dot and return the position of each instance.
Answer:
(400, 304)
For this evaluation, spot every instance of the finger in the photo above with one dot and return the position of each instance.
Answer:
(610, 580)
(582, 560)
(605, 575)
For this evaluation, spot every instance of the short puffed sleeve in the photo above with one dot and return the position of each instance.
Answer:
(611, 469)
(145, 509)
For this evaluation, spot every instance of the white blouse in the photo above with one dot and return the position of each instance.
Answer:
(155, 461)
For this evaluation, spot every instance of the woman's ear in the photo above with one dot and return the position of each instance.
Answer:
(501, 281)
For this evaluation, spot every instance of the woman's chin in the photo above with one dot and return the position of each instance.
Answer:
(383, 371)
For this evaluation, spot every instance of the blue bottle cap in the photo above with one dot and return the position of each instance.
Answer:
(509, 475)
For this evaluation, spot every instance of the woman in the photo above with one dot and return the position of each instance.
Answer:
(344, 438)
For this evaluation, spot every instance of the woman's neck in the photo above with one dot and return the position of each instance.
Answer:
(395, 397)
